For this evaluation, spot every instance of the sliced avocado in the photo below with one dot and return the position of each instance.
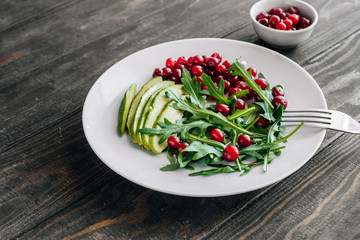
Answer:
(155, 109)
(141, 104)
(170, 114)
(136, 100)
(125, 107)
(144, 113)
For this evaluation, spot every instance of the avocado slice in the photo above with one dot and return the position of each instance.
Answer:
(170, 114)
(141, 104)
(136, 100)
(155, 108)
(125, 107)
(144, 113)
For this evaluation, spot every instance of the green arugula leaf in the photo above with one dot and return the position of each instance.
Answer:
(193, 88)
(239, 69)
(216, 92)
(170, 167)
(167, 129)
(213, 171)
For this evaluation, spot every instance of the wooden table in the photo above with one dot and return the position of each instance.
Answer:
(53, 186)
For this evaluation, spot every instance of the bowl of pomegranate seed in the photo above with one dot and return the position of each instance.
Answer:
(283, 23)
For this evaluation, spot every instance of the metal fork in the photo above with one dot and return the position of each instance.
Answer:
(321, 118)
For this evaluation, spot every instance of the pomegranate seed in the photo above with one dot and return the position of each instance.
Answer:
(238, 84)
(234, 90)
(176, 73)
(227, 85)
(188, 66)
(240, 104)
(221, 69)
(217, 55)
(244, 140)
(166, 72)
(181, 147)
(304, 22)
(282, 15)
(288, 23)
(261, 82)
(264, 21)
(294, 18)
(198, 60)
(277, 11)
(190, 59)
(233, 78)
(197, 70)
(257, 98)
(250, 95)
(181, 60)
(281, 26)
(173, 142)
(210, 73)
(179, 66)
(218, 78)
(262, 122)
(204, 87)
(217, 135)
(198, 79)
(227, 64)
(293, 9)
(157, 72)
(212, 62)
(274, 20)
(280, 100)
(223, 109)
(253, 71)
(230, 153)
(261, 15)
(278, 91)
(272, 11)
(170, 62)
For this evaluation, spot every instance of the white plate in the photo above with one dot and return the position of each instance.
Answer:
(100, 116)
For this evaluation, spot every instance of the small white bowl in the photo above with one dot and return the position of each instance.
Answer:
(280, 38)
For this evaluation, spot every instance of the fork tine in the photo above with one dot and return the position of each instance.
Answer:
(308, 116)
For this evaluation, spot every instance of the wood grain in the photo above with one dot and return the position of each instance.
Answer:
(54, 187)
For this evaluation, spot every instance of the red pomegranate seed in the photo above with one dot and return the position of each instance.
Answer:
(304, 22)
(217, 135)
(262, 122)
(198, 60)
(227, 64)
(261, 82)
(281, 26)
(176, 73)
(234, 90)
(217, 55)
(282, 15)
(166, 72)
(294, 18)
(179, 66)
(274, 20)
(181, 147)
(261, 15)
(230, 153)
(227, 86)
(264, 21)
(223, 109)
(157, 72)
(218, 78)
(278, 91)
(197, 70)
(212, 62)
(190, 59)
(293, 9)
(280, 100)
(240, 104)
(170, 62)
(253, 71)
(244, 140)
(198, 79)
(181, 60)
(221, 69)
(288, 23)
(173, 142)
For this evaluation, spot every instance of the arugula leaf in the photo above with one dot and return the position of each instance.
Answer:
(239, 69)
(207, 141)
(170, 167)
(193, 88)
(241, 113)
(216, 92)
(167, 129)
(213, 171)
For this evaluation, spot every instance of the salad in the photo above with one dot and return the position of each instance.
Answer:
(203, 110)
